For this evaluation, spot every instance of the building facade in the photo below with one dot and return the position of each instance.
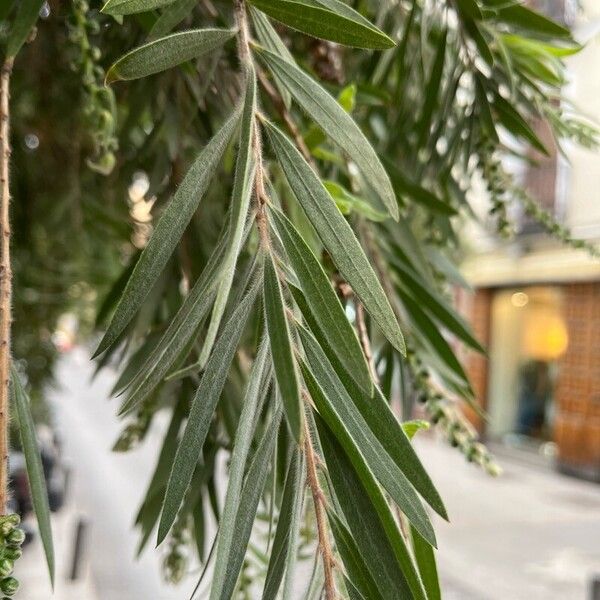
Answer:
(536, 303)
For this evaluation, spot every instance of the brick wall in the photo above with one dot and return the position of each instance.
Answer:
(577, 422)
(479, 313)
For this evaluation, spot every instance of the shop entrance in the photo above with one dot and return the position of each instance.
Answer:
(528, 336)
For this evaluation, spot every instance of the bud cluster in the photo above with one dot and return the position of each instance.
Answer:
(444, 414)
(11, 539)
(99, 101)
(498, 185)
(176, 560)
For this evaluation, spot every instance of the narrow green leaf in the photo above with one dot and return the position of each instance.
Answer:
(270, 39)
(128, 7)
(281, 350)
(432, 91)
(167, 52)
(425, 558)
(510, 118)
(436, 306)
(340, 414)
(529, 20)
(323, 301)
(239, 456)
(470, 8)
(370, 520)
(383, 424)
(35, 470)
(168, 232)
(27, 15)
(291, 503)
(428, 331)
(405, 187)
(328, 21)
(202, 408)
(171, 17)
(248, 503)
(240, 202)
(337, 235)
(327, 112)
(356, 568)
(177, 336)
(149, 511)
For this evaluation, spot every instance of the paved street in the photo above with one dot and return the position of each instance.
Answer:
(106, 489)
(530, 535)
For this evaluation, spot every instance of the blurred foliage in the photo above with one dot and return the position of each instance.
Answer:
(94, 167)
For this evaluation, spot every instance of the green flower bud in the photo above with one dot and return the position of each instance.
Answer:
(6, 567)
(9, 586)
(13, 553)
(16, 537)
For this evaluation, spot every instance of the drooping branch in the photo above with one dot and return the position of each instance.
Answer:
(319, 504)
(5, 278)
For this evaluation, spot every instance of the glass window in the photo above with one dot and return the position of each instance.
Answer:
(528, 336)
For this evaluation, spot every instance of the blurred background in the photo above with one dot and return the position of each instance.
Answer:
(532, 533)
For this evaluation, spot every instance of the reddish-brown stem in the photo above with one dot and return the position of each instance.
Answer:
(319, 504)
(5, 278)
(285, 116)
(365, 342)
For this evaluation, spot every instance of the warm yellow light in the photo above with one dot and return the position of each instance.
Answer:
(545, 336)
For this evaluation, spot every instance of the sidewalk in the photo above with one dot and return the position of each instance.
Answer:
(531, 534)
(31, 568)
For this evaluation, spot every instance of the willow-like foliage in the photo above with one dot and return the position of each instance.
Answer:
(287, 298)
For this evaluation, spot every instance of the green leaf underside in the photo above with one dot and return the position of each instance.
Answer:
(281, 350)
(434, 305)
(322, 299)
(248, 503)
(356, 568)
(239, 456)
(167, 52)
(337, 236)
(340, 414)
(326, 111)
(178, 334)
(240, 202)
(35, 470)
(171, 17)
(128, 7)
(370, 520)
(270, 39)
(202, 408)
(291, 502)
(27, 15)
(168, 232)
(425, 559)
(322, 21)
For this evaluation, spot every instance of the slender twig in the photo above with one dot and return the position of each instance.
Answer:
(5, 279)
(365, 342)
(319, 504)
(279, 105)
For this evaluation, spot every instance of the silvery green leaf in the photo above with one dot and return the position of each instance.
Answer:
(336, 123)
(169, 229)
(35, 470)
(239, 456)
(128, 7)
(240, 202)
(281, 350)
(336, 235)
(322, 300)
(202, 408)
(167, 52)
(330, 20)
